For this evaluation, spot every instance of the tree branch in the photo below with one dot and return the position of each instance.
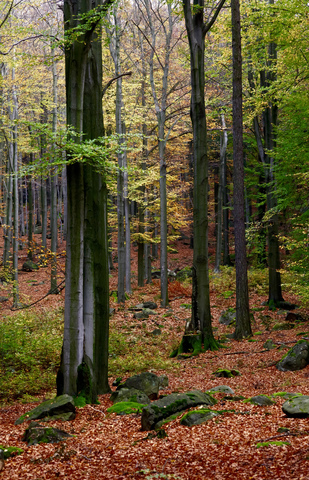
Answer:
(208, 26)
(113, 80)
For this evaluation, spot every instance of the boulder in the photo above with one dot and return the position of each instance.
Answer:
(297, 357)
(269, 344)
(129, 395)
(151, 305)
(227, 317)
(29, 266)
(147, 382)
(221, 389)
(261, 400)
(175, 402)
(126, 408)
(36, 434)
(141, 315)
(297, 407)
(226, 373)
(64, 404)
(163, 382)
(197, 417)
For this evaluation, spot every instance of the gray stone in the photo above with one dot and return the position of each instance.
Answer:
(156, 332)
(227, 317)
(297, 407)
(148, 311)
(57, 406)
(163, 382)
(261, 400)
(176, 402)
(269, 344)
(151, 305)
(141, 315)
(147, 382)
(221, 389)
(197, 417)
(3, 299)
(297, 357)
(37, 433)
(29, 266)
(129, 395)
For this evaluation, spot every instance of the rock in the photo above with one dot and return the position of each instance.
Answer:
(283, 326)
(126, 408)
(221, 389)
(184, 273)
(151, 305)
(226, 373)
(148, 311)
(9, 452)
(163, 382)
(29, 266)
(197, 417)
(227, 317)
(261, 400)
(156, 332)
(156, 274)
(173, 403)
(57, 406)
(294, 317)
(167, 420)
(269, 344)
(297, 407)
(141, 315)
(36, 433)
(129, 395)
(147, 382)
(297, 357)
(287, 395)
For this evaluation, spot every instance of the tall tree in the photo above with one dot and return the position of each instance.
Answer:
(196, 30)
(83, 369)
(243, 325)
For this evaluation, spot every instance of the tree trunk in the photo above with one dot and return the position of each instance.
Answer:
(243, 325)
(196, 30)
(223, 147)
(83, 368)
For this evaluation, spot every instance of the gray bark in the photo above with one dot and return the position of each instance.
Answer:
(243, 325)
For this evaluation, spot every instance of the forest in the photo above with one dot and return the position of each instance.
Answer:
(154, 287)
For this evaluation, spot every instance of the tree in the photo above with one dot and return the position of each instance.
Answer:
(196, 30)
(243, 325)
(83, 369)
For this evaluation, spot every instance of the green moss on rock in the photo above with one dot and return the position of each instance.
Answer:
(126, 408)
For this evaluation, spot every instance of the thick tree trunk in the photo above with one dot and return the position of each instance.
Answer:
(201, 317)
(83, 369)
(243, 325)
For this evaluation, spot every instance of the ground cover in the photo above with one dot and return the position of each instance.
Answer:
(244, 441)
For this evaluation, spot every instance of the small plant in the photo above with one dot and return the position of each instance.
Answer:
(271, 442)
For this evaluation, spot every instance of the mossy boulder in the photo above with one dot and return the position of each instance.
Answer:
(37, 433)
(297, 357)
(227, 317)
(226, 373)
(261, 400)
(297, 407)
(173, 403)
(129, 395)
(287, 395)
(147, 382)
(126, 408)
(64, 404)
(221, 389)
(10, 451)
(29, 266)
(197, 417)
(269, 344)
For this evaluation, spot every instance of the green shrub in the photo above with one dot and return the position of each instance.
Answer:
(30, 347)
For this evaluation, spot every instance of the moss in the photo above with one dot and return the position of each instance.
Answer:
(10, 451)
(80, 401)
(202, 411)
(225, 372)
(126, 408)
(272, 442)
(85, 383)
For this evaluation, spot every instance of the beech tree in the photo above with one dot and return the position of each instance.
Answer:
(196, 30)
(83, 369)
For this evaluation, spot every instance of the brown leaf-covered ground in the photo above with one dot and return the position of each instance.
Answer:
(107, 446)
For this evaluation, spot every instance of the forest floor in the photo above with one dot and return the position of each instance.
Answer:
(107, 446)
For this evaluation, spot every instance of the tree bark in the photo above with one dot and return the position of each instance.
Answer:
(83, 368)
(243, 325)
